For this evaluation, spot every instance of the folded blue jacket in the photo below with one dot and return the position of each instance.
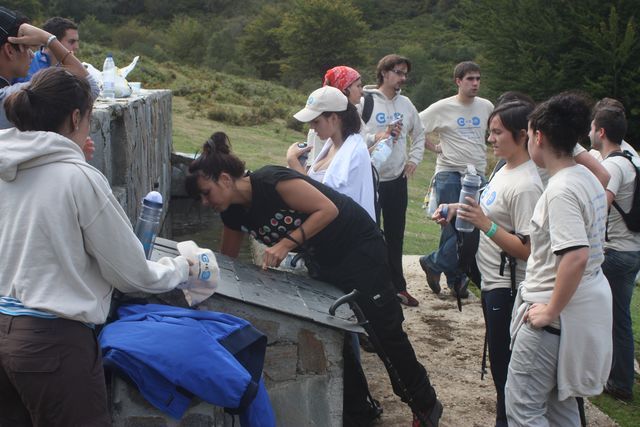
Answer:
(173, 354)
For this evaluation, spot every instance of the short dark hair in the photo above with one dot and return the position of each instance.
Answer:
(613, 121)
(58, 26)
(350, 118)
(565, 119)
(51, 96)
(608, 103)
(514, 95)
(388, 63)
(513, 115)
(464, 68)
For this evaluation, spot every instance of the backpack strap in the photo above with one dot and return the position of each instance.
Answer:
(625, 215)
(367, 108)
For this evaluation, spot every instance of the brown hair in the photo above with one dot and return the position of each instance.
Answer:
(388, 63)
(48, 100)
(463, 68)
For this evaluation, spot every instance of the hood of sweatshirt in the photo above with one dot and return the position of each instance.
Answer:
(377, 93)
(24, 150)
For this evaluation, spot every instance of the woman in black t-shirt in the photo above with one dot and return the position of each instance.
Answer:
(287, 210)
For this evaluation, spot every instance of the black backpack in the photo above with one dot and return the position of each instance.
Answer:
(367, 108)
(631, 218)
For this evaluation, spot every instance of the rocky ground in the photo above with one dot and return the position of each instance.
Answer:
(449, 343)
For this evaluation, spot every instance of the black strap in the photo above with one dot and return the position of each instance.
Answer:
(367, 108)
(4, 83)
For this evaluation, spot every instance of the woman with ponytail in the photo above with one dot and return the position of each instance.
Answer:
(289, 211)
(65, 244)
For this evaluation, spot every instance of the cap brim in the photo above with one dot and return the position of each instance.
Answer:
(306, 115)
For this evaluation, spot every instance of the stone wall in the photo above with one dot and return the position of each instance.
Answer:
(133, 146)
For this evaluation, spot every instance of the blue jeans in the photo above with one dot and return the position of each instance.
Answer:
(621, 268)
(445, 260)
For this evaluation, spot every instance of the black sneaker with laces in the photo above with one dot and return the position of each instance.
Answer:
(433, 278)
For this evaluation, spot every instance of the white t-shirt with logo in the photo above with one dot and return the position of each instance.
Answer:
(622, 185)
(508, 200)
(462, 132)
(571, 212)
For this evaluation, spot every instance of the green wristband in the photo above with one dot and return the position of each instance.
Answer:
(491, 231)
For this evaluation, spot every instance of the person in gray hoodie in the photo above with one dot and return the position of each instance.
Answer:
(389, 106)
(65, 244)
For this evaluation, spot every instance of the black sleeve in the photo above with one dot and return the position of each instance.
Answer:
(569, 249)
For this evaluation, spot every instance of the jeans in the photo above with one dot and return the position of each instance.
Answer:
(393, 199)
(620, 269)
(531, 391)
(445, 260)
(497, 305)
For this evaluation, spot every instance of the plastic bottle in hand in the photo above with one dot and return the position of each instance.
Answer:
(311, 139)
(148, 224)
(470, 188)
(381, 152)
(109, 78)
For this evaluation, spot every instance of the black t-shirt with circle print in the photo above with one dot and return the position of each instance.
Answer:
(269, 218)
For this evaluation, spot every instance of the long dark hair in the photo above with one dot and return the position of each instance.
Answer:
(350, 120)
(48, 100)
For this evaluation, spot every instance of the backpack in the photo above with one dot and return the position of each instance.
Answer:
(367, 108)
(631, 218)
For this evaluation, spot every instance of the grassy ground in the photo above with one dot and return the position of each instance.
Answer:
(266, 143)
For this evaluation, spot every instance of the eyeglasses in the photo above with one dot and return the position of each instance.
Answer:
(400, 73)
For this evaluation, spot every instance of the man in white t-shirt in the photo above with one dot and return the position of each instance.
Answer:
(460, 122)
(622, 246)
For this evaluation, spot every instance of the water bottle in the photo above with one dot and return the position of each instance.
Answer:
(381, 152)
(470, 188)
(109, 78)
(148, 224)
(431, 200)
(311, 140)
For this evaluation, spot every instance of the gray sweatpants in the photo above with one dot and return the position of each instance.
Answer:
(531, 392)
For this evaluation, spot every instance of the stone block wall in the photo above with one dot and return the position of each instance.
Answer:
(133, 146)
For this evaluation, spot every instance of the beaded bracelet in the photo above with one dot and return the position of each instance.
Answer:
(65, 57)
(491, 231)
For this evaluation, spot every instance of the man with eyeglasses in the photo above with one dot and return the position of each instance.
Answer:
(389, 106)
(17, 38)
(460, 124)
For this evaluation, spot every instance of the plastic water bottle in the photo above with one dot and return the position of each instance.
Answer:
(381, 153)
(148, 224)
(109, 78)
(431, 200)
(470, 188)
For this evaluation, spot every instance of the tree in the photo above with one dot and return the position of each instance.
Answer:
(316, 35)
(260, 44)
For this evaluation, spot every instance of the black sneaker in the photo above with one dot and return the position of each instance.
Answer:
(433, 279)
(461, 288)
(618, 394)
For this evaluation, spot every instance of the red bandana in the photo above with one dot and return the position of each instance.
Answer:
(341, 77)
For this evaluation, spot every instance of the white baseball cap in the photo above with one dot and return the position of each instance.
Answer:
(325, 99)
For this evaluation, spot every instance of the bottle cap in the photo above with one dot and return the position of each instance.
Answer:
(153, 198)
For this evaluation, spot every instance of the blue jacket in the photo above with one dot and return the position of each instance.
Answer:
(174, 353)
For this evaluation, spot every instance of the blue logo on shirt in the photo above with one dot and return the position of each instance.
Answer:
(475, 121)
(491, 199)
(461, 121)
(381, 118)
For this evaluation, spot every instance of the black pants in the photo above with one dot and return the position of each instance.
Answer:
(366, 270)
(497, 305)
(393, 199)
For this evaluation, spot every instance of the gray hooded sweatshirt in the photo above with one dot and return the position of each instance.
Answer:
(386, 110)
(65, 242)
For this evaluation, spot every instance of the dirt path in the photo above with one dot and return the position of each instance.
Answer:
(449, 343)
